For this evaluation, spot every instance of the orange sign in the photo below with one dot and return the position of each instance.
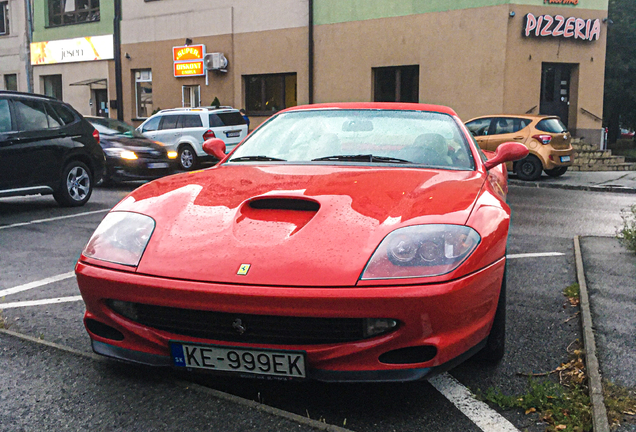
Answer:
(190, 52)
(191, 68)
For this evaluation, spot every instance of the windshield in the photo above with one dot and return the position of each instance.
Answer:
(115, 127)
(359, 136)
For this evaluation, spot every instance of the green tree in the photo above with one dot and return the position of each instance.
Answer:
(620, 68)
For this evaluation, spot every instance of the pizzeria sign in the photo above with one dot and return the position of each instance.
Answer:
(560, 26)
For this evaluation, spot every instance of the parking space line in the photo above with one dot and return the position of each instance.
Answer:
(36, 284)
(486, 419)
(53, 219)
(39, 302)
(534, 255)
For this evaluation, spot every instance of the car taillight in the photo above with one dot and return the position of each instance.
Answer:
(208, 135)
(543, 139)
(96, 135)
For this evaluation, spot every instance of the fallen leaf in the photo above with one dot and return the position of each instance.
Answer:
(531, 410)
(561, 427)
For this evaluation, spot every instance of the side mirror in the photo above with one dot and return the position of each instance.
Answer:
(215, 147)
(507, 152)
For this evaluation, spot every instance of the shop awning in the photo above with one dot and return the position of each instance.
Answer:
(101, 82)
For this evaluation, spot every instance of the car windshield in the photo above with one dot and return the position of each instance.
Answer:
(115, 128)
(359, 136)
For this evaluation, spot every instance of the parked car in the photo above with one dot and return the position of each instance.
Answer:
(627, 134)
(546, 137)
(130, 155)
(46, 147)
(338, 242)
(185, 129)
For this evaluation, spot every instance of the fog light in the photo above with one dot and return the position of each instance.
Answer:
(376, 326)
(172, 155)
(126, 309)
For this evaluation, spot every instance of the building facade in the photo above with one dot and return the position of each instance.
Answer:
(479, 56)
(13, 45)
(72, 52)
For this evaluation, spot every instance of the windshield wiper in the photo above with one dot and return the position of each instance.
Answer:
(362, 158)
(255, 158)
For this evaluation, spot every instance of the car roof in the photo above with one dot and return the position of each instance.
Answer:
(209, 109)
(24, 94)
(376, 106)
(524, 116)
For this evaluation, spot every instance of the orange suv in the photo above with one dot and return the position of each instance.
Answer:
(546, 137)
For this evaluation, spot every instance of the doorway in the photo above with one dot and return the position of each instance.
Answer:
(555, 90)
(101, 103)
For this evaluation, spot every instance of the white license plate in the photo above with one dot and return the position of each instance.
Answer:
(565, 158)
(234, 359)
(158, 165)
(233, 134)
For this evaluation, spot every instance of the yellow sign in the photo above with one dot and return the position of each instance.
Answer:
(192, 68)
(190, 52)
(243, 269)
(72, 50)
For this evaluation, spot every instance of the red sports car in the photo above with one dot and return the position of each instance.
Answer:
(338, 242)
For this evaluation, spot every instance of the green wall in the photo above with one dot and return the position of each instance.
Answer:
(337, 11)
(42, 34)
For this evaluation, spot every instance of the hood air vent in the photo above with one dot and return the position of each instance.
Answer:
(284, 204)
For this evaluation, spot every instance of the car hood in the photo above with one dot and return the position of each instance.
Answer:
(293, 225)
(133, 144)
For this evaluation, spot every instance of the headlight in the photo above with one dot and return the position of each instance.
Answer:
(172, 155)
(121, 238)
(121, 153)
(422, 250)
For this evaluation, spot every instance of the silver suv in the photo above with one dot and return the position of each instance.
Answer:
(183, 130)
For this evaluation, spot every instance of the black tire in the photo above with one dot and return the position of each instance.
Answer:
(556, 172)
(495, 347)
(529, 168)
(76, 185)
(187, 158)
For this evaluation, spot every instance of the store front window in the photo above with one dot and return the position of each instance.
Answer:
(52, 86)
(396, 84)
(143, 93)
(191, 96)
(11, 82)
(266, 94)
(4, 18)
(65, 12)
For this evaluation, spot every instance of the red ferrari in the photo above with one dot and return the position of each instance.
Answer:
(338, 242)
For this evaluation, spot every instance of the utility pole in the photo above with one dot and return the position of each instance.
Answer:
(118, 79)
(29, 36)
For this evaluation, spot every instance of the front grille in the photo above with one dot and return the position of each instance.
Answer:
(266, 329)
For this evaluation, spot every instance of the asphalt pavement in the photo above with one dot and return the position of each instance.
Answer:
(599, 181)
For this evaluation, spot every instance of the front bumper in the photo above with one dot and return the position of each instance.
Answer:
(118, 169)
(455, 317)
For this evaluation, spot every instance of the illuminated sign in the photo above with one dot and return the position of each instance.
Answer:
(190, 52)
(72, 50)
(559, 26)
(191, 68)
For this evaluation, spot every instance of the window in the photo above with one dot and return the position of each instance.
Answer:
(151, 125)
(65, 114)
(65, 12)
(169, 122)
(551, 125)
(143, 93)
(396, 84)
(230, 118)
(479, 127)
(11, 82)
(191, 96)
(190, 121)
(5, 116)
(509, 125)
(4, 18)
(52, 85)
(266, 94)
(33, 116)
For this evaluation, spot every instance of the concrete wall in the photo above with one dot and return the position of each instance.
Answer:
(13, 47)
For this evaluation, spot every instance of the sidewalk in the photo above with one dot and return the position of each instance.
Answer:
(600, 181)
(610, 273)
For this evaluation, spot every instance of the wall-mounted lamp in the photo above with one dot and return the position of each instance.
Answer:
(127, 56)
(188, 41)
(512, 14)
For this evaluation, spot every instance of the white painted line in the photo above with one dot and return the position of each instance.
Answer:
(39, 302)
(36, 284)
(487, 419)
(53, 219)
(535, 255)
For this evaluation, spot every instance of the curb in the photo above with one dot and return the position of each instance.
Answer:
(592, 188)
(599, 413)
(187, 384)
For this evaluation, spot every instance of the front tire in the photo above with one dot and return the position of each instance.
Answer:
(529, 168)
(187, 158)
(76, 185)
(495, 347)
(556, 172)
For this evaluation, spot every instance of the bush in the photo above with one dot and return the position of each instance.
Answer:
(627, 234)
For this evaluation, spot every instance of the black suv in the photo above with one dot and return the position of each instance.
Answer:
(46, 147)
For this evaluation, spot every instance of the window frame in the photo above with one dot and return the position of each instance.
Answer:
(137, 82)
(4, 7)
(193, 90)
(263, 99)
(94, 14)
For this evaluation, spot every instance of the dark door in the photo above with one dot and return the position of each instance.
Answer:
(101, 103)
(8, 145)
(555, 90)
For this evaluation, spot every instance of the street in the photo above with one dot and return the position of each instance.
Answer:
(39, 298)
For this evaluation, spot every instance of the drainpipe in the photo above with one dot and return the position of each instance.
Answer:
(29, 37)
(117, 43)
(310, 79)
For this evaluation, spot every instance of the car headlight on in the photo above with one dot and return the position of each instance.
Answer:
(120, 153)
(121, 238)
(172, 154)
(420, 251)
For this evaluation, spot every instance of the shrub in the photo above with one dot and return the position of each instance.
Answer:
(627, 234)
